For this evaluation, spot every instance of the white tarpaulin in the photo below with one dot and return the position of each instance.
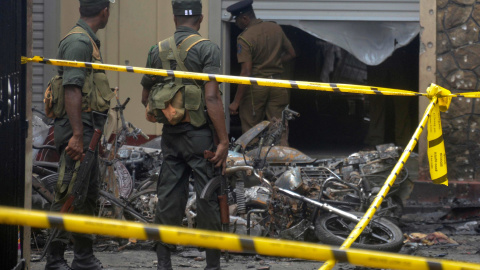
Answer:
(370, 42)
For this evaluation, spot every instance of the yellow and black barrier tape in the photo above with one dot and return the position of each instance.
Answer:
(440, 100)
(329, 87)
(437, 158)
(304, 85)
(431, 112)
(220, 240)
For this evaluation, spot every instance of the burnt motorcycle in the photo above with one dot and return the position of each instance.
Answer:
(278, 191)
(128, 173)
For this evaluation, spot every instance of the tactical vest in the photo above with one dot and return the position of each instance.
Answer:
(96, 92)
(174, 101)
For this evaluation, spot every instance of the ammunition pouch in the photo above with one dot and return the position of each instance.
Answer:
(96, 92)
(96, 95)
(174, 101)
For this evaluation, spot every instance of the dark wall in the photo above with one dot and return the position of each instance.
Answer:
(12, 120)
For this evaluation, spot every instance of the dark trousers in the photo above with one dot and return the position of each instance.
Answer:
(379, 109)
(263, 103)
(183, 146)
(63, 133)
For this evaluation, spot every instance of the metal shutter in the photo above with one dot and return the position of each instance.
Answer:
(38, 83)
(333, 10)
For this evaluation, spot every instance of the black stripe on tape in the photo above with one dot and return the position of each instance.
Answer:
(88, 64)
(402, 162)
(435, 142)
(248, 245)
(335, 88)
(434, 265)
(56, 222)
(170, 73)
(253, 82)
(375, 90)
(340, 255)
(130, 69)
(418, 95)
(440, 180)
(152, 233)
(421, 126)
(45, 61)
(212, 77)
(294, 84)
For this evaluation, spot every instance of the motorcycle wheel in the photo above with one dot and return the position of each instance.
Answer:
(128, 212)
(383, 235)
(50, 182)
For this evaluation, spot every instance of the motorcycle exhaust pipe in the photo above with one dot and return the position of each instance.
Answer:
(325, 206)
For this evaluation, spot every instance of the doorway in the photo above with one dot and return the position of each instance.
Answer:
(335, 123)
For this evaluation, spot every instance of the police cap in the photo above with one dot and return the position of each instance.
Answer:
(86, 3)
(240, 7)
(187, 7)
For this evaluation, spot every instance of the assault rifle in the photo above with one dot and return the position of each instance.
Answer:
(222, 197)
(77, 195)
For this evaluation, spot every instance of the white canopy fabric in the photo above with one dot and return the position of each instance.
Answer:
(370, 42)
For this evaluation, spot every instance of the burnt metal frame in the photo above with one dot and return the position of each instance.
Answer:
(13, 125)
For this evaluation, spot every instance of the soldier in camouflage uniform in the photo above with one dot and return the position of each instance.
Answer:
(184, 142)
(73, 129)
(262, 48)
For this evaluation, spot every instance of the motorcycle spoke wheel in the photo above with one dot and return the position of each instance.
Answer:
(381, 234)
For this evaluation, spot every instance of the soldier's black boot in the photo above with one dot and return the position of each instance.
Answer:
(163, 257)
(55, 259)
(213, 259)
(83, 255)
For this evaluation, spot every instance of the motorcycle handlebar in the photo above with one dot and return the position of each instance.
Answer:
(125, 103)
(138, 131)
(294, 113)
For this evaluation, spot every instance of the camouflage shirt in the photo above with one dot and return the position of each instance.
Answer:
(77, 47)
(203, 57)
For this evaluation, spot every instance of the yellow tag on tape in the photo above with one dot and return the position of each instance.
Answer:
(436, 148)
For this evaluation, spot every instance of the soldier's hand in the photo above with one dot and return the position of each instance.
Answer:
(74, 148)
(233, 108)
(220, 158)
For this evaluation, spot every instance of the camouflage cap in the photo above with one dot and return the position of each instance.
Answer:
(86, 3)
(187, 7)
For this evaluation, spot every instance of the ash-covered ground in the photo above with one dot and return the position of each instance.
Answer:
(458, 241)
